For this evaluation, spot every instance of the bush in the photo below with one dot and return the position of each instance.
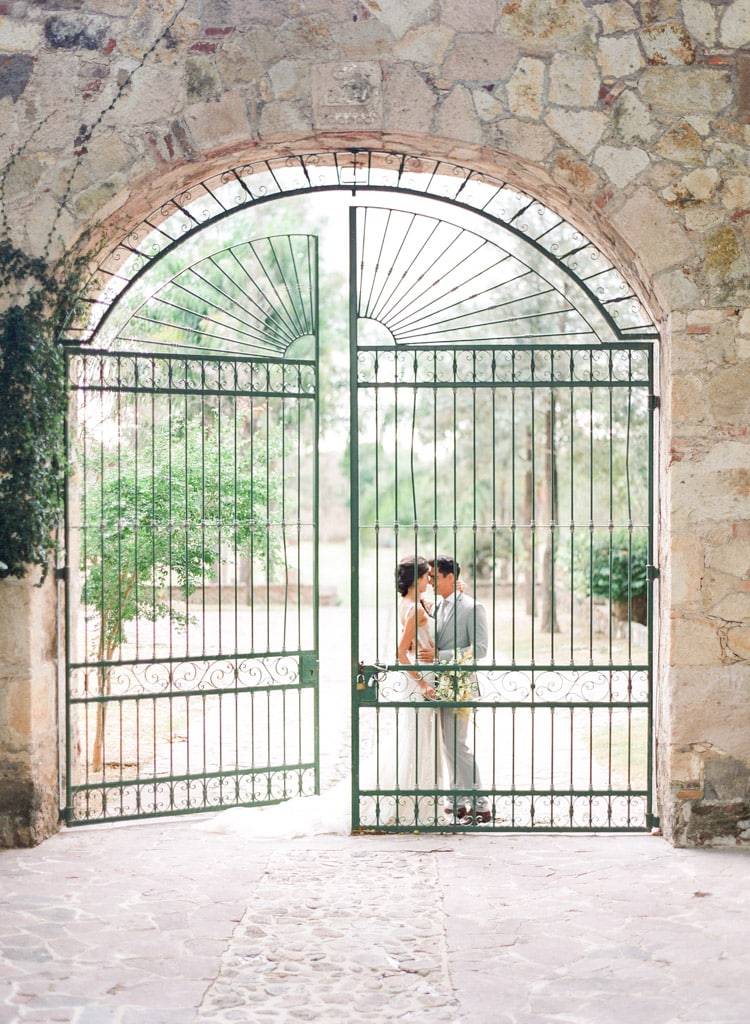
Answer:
(619, 567)
(615, 568)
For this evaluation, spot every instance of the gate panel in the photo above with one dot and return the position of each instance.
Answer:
(192, 624)
(528, 462)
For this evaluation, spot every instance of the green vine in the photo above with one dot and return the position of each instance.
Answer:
(32, 411)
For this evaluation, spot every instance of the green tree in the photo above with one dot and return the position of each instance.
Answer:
(165, 515)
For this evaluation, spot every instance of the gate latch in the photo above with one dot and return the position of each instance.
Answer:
(368, 677)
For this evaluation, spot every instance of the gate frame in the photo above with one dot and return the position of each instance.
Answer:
(352, 169)
(307, 660)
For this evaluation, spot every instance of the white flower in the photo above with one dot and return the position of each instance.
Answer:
(456, 686)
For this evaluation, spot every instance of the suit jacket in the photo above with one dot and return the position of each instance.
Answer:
(464, 625)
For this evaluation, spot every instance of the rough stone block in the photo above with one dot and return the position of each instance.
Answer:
(573, 81)
(700, 19)
(694, 642)
(531, 141)
(526, 89)
(734, 27)
(743, 86)
(481, 58)
(404, 89)
(455, 114)
(696, 187)
(216, 124)
(616, 16)
(682, 144)
(489, 104)
(728, 393)
(687, 90)
(580, 129)
(667, 44)
(76, 31)
(541, 27)
(708, 707)
(738, 641)
(400, 17)
(19, 36)
(15, 72)
(619, 56)
(644, 218)
(632, 119)
(479, 14)
(622, 165)
(426, 46)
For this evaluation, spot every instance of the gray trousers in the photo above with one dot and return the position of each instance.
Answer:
(463, 772)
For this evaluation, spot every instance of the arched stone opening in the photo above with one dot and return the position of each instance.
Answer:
(339, 169)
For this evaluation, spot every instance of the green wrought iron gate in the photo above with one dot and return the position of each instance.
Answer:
(501, 390)
(499, 420)
(192, 629)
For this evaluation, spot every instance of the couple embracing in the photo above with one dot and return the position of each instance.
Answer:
(450, 628)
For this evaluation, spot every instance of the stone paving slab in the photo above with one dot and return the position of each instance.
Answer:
(174, 923)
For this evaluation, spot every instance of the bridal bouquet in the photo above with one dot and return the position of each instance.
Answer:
(452, 685)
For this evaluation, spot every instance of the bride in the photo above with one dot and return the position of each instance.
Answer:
(403, 768)
(411, 758)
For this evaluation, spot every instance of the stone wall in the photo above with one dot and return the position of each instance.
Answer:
(630, 118)
(29, 804)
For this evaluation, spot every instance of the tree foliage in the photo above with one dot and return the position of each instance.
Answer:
(166, 514)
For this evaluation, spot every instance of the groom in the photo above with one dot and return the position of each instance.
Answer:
(460, 623)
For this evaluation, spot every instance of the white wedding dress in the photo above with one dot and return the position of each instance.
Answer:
(405, 749)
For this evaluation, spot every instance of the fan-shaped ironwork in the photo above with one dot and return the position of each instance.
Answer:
(253, 297)
(431, 281)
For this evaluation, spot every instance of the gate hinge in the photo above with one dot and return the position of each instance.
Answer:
(654, 402)
(652, 572)
(61, 573)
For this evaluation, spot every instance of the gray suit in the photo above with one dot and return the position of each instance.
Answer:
(463, 625)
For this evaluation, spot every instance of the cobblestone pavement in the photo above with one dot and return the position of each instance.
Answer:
(175, 923)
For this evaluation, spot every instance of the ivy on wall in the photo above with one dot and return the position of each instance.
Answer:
(33, 399)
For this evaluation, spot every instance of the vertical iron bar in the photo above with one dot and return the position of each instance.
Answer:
(650, 610)
(571, 471)
(315, 310)
(354, 509)
(514, 509)
(590, 562)
(72, 370)
(204, 510)
(532, 524)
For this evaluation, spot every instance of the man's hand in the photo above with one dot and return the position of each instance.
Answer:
(427, 654)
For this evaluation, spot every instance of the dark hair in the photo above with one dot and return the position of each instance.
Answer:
(405, 575)
(446, 565)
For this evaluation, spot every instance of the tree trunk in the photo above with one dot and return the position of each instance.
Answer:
(548, 501)
(527, 513)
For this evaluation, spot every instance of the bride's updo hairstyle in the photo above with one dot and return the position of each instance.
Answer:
(405, 572)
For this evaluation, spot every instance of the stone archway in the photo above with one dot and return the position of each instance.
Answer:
(627, 117)
(357, 169)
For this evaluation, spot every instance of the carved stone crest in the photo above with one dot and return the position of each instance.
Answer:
(347, 95)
